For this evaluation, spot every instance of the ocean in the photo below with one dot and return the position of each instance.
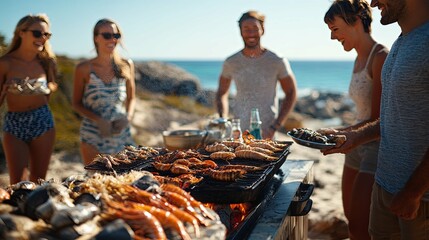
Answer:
(332, 76)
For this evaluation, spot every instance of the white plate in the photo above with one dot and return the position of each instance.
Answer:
(316, 145)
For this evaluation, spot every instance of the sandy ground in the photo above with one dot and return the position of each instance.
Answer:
(326, 217)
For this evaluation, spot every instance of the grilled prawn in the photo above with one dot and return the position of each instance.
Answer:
(242, 167)
(216, 147)
(257, 149)
(232, 144)
(226, 175)
(222, 156)
(162, 166)
(250, 154)
(265, 145)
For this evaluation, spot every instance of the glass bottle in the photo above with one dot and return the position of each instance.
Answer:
(236, 130)
(255, 124)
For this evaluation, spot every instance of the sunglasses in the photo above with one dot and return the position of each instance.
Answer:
(39, 34)
(108, 36)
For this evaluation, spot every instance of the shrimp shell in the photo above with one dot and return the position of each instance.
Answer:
(182, 161)
(162, 166)
(265, 145)
(226, 175)
(272, 143)
(222, 156)
(257, 149)
(180, 169)
(194, 203)
(216, 147)
(250, 154)
(243, 167)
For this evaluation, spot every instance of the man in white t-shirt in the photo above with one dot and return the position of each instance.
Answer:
(256, 71)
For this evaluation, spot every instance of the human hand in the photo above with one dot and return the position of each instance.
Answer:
(345, 143)
(327, 131)
(405, 205)
(104, 127)
(119, 124)
(52, 86)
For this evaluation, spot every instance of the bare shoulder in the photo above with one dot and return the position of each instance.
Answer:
(381, 52)
(83, 66)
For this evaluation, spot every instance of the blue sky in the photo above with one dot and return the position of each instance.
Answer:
(189, 29)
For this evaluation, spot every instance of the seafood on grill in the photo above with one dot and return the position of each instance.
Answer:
(194, 203)
(182, 181)
(229, 175)
(189, 179)
(162, 166)
(216, 147)
(124, 201)
(273, 143)
(257, 149)
(180, 169)
(170, 180)
(250, 154)
(146, 210)
(247, 168)
(206, 164)
(182, 161)
(143, 222)
(265, 145)
(232, 144)
(125, 157)
(170, 157)
(227, 156)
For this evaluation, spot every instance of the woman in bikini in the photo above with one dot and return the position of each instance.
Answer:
(104, 95)
(27, 77)
(350, 24)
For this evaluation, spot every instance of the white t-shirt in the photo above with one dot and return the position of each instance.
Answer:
(256, 83)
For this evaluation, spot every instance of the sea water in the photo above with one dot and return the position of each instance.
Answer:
(331, 76)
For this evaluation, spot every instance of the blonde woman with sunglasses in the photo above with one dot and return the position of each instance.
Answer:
(104, 95)
(27, 77)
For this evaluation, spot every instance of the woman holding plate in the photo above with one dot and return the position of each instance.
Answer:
(350, 24)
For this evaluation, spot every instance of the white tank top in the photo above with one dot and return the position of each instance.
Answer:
(360, 91)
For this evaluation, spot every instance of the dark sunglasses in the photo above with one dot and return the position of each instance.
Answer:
(39, 34)
(108, 36)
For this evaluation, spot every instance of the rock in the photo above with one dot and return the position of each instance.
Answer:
(326, 105)
(166, 78)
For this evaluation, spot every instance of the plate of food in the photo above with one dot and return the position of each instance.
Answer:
(314, 139)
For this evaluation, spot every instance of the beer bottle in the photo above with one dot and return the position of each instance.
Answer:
(255, 124)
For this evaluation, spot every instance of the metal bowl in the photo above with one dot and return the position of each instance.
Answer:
(183, 139)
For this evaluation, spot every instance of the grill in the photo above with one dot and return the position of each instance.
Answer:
(256, 190)
(246, 189)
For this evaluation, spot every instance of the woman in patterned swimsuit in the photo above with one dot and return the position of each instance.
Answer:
(104, 95)
(350, 24)
(27, 77)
